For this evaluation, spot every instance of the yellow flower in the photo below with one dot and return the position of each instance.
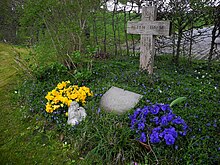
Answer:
(61, 92)
(49, 108)
(69, 102)
(56, 99)
(64, 94)
(62, 85)
(54, 92)
(66, 113)
(73, 96)
(90, 94)
(86, 89)
(49, 96)
(64, 100)
(75, 87)
(56, 107)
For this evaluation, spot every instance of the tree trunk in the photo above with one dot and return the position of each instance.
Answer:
(114, 29)
(105, 30)
(173, 44)
(214, 30)
(179, 38)
(125, 31)
(190, 46)
(119, 37)
(95, 29)
(132, 36)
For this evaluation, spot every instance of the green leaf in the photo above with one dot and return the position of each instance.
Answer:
(177, 101)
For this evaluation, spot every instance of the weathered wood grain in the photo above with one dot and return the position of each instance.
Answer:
(148, 28)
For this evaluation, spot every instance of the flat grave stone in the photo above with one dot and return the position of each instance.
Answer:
(119, 100)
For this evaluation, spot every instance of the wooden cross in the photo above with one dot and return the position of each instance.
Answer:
(148, 28)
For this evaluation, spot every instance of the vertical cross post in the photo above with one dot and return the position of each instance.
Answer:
(147, 49)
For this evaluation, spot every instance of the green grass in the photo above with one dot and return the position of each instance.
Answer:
(106, 138)
(22, 142)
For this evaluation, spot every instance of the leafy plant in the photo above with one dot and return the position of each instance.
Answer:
(177, 101)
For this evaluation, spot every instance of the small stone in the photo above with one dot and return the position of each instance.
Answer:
(119, 100)
(75, 113)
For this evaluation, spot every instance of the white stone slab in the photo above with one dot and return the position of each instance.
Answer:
(119, 100)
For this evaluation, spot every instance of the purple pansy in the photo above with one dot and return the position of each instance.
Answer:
(170, 117)
(156, 120)
(159, 122)
(154, 137)
(178, 120)
(169, 139)
(154, 110)
(165, 107)
(164, 121)
(170, 131)
(143, 137)
(157, 129)
(141, 126)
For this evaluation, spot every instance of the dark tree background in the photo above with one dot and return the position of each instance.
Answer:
(57, 29)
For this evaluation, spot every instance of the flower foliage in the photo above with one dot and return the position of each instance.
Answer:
(64, 94)
(159, 122)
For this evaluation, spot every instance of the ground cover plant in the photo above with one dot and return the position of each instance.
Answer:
(22, 141)
(107, 138)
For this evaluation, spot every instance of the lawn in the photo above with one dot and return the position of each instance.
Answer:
(35, 136)
(21, 142)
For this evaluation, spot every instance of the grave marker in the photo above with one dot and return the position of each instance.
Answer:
(119, 100)
(148, 28)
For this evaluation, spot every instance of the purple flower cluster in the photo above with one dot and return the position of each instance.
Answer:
(159, 122)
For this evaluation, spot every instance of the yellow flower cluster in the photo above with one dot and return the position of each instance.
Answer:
(64, 94)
